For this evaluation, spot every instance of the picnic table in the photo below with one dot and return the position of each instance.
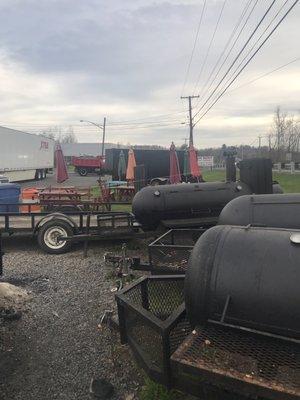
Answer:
(122, 193)
(69, 197)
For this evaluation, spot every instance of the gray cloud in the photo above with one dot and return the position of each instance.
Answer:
(130, 55)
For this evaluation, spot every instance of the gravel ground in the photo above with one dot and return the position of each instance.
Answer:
(57, 347)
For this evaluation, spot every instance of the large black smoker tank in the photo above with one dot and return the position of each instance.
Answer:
(153, 204)
(271, 210)
(247, 277)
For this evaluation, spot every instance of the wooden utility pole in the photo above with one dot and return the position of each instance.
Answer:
(191, 139)
(259, 145)
(103, 135)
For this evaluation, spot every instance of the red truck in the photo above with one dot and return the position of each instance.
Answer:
(84, 165)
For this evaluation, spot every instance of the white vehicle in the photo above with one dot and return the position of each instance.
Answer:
(24, 156)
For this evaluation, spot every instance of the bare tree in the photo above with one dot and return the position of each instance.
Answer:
(69, 136)
(285, 134)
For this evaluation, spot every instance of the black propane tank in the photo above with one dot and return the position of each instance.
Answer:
(271, 210)
(247, 277)
(153, 204)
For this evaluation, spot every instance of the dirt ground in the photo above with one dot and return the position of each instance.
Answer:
(57, 346)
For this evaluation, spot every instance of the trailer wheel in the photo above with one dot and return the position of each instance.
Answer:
(83, 171)
(49, 233)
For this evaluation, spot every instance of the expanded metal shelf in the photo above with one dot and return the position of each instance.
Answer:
(242, 362)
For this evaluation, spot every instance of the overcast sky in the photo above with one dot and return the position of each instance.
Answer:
(66, 60)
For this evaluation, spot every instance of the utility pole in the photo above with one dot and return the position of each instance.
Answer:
(259, 144)
(191, 139)
(103, 136)
(102, 127)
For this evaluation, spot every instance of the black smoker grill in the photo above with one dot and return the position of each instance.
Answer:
(213, 362)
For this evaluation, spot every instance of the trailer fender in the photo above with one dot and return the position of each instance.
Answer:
(57, 215)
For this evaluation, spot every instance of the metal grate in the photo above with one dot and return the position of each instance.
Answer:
(152, 321)
(147, 340)
(134, 295)
(164, 297)
(256, 359)
(179, 332)
(171, 251)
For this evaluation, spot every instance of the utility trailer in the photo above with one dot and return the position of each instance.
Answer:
(57, 231)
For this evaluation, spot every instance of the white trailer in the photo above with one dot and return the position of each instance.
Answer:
(24, 156)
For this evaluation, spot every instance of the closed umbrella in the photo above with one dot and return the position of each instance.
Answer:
(121, 166)
(61, 168)
(194, 166)
(131, 164)
(175, 176)
(186, 164)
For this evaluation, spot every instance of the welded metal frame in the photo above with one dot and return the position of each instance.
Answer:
(175, 373)
(195, 375)
(113, 215)
(162, 327)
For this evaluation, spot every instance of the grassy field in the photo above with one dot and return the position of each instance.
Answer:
(290, 183)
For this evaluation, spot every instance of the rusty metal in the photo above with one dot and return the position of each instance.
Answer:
(241, 362)
(170, 252)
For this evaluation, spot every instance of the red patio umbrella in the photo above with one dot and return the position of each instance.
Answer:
(194, 166)
(131, 164)
(61, 168)
(175, 176)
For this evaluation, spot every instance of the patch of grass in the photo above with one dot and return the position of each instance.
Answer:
(122, 207)
(95, 191)
(289, 183)
(154, 391)
(214, 175)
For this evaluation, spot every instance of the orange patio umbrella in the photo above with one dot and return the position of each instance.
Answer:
(194, 166)
(131, 164)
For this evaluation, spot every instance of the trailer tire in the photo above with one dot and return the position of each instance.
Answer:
(48, 233)
(83, 171)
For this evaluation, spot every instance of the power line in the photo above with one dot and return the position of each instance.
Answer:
(194, 47)
(263, 75)
(253, 55)
(204, 89)
(237, 57)
(257, 41)
(113, 123)
(210, 45)
(147, 118)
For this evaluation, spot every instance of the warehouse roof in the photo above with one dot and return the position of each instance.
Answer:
(84, 149)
